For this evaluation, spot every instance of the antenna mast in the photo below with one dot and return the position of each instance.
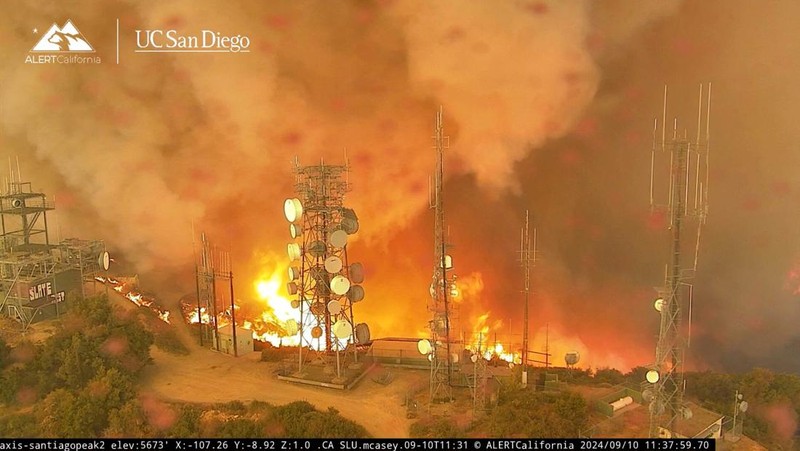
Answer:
(666, 377)
(442, 369)
(527, 257)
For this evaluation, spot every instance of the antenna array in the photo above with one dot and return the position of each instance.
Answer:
(687, 199)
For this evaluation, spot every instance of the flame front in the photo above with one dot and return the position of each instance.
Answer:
(135, 297)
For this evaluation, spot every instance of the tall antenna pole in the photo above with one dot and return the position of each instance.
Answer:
(442, 371)
(527, 257)
(666, 377)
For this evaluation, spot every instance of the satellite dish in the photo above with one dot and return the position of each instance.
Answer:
(349, 221)
(687, 413)
(350, 226)
(292, 209)
(342, 329)
(356, 293)
(430, 357)
(474, 358)
(333, 264)
(295, 230)
(338, 239)
(652, 376)
(659, 304)
(316, 332)
(293, 249)
(511, 365)
(17, 203)
(647, 395)
(424, 346)
(104, 260)
(357, 273)
(291, 327)
(448, 262)
(454, 357)
(292, 288)
(340, 285)
(362, 333)
(317, 249)
(572, 358)
(295, 303)
(334, 307)
(294, 273)
(743, 406)
(454, 290)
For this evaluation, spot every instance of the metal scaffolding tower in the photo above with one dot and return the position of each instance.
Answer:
(36, 276)
(687, 199)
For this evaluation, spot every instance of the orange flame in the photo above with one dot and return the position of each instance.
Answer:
(271, 326)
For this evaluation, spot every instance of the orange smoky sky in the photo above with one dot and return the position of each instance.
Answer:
(549, 108)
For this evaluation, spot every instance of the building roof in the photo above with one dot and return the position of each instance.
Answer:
(635, 422)
(227, 330)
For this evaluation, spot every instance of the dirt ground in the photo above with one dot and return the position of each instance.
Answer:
(210, 377)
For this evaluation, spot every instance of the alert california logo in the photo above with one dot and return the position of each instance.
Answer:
(62, 45)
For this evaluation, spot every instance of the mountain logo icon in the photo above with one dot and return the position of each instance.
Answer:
(64, 39)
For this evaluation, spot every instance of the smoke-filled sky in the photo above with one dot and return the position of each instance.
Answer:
(548, 105)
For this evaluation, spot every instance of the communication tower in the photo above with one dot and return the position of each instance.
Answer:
(686, 206)
(326, 284)
(527, 259)
(213, 272)
(443, 286)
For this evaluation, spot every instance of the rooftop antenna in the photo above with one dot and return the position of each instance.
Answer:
(666, 376)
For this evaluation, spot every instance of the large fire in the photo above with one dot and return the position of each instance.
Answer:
(481, 342)
(274, 323)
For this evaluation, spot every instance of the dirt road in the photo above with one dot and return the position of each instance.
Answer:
(210, 377)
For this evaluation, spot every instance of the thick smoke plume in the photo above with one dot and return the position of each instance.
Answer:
(547, 104)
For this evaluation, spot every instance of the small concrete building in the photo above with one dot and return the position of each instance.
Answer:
(244, 340)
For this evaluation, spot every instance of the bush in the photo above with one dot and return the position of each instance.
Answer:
(19, 426)
(188, 422)
(526, 413)
(240, 428)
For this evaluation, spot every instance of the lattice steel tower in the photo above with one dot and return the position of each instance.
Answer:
(687, 206)
(442, 367)
(322, 278)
